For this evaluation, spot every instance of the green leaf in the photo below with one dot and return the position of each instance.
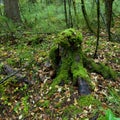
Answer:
(110, 115)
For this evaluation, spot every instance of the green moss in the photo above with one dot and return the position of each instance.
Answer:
(69, 37)
(100, 68)
(83, 101)
(88, 100)
(53, 55)
(71, 110)
(79, 71)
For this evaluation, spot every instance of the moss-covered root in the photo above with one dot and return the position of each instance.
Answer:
(82, 78)
(62, 73)
(100, 68)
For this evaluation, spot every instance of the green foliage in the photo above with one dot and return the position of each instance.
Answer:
(88, 100)
(9, 29)
(25, 104)
(16, 108)
(2, 90)
(43, 18)
(110, 116)
(6, 25)
(114, 99)
(1, 8)
(44, 103)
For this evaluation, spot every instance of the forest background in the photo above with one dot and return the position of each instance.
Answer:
(27, 32)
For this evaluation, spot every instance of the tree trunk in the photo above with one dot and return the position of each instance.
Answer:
(65, 13)
(108, 12)
(98, 27)
(70, 14)
(85, 16)
(75, 12)
(32, 1)
(11, 9)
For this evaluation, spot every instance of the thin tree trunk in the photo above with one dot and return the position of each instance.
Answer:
(85, 16)
(75, 11)
(65, 12)
(32, 1)
(98, 29)
(70, 14)
(108, 11)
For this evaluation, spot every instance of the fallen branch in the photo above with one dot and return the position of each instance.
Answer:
(11, 72)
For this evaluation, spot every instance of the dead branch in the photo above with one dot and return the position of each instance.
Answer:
(11, 72)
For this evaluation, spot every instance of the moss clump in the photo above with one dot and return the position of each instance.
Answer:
(69, 37)
(78, 70)
(88, 100)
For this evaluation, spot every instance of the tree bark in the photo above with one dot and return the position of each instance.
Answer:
(65, 12)
(11, 9)
(98, 27)
(70, 14)
(108, 12)
(32, 1)
(85, 16)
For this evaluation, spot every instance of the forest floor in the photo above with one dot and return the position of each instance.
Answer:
(19, 100)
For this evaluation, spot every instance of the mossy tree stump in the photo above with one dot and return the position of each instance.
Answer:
(70, 63)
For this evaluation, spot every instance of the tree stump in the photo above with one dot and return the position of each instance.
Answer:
(70, 63)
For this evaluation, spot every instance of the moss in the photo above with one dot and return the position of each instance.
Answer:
(88, 100)
(53, 55)
(71, 110)
(83, 101)
(78, 70)
(68, 37)
(100, 68)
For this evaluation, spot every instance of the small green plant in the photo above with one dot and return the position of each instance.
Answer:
(110, 116)
(114, 98)
(16, 108)
(7, 26)
(25, 105)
